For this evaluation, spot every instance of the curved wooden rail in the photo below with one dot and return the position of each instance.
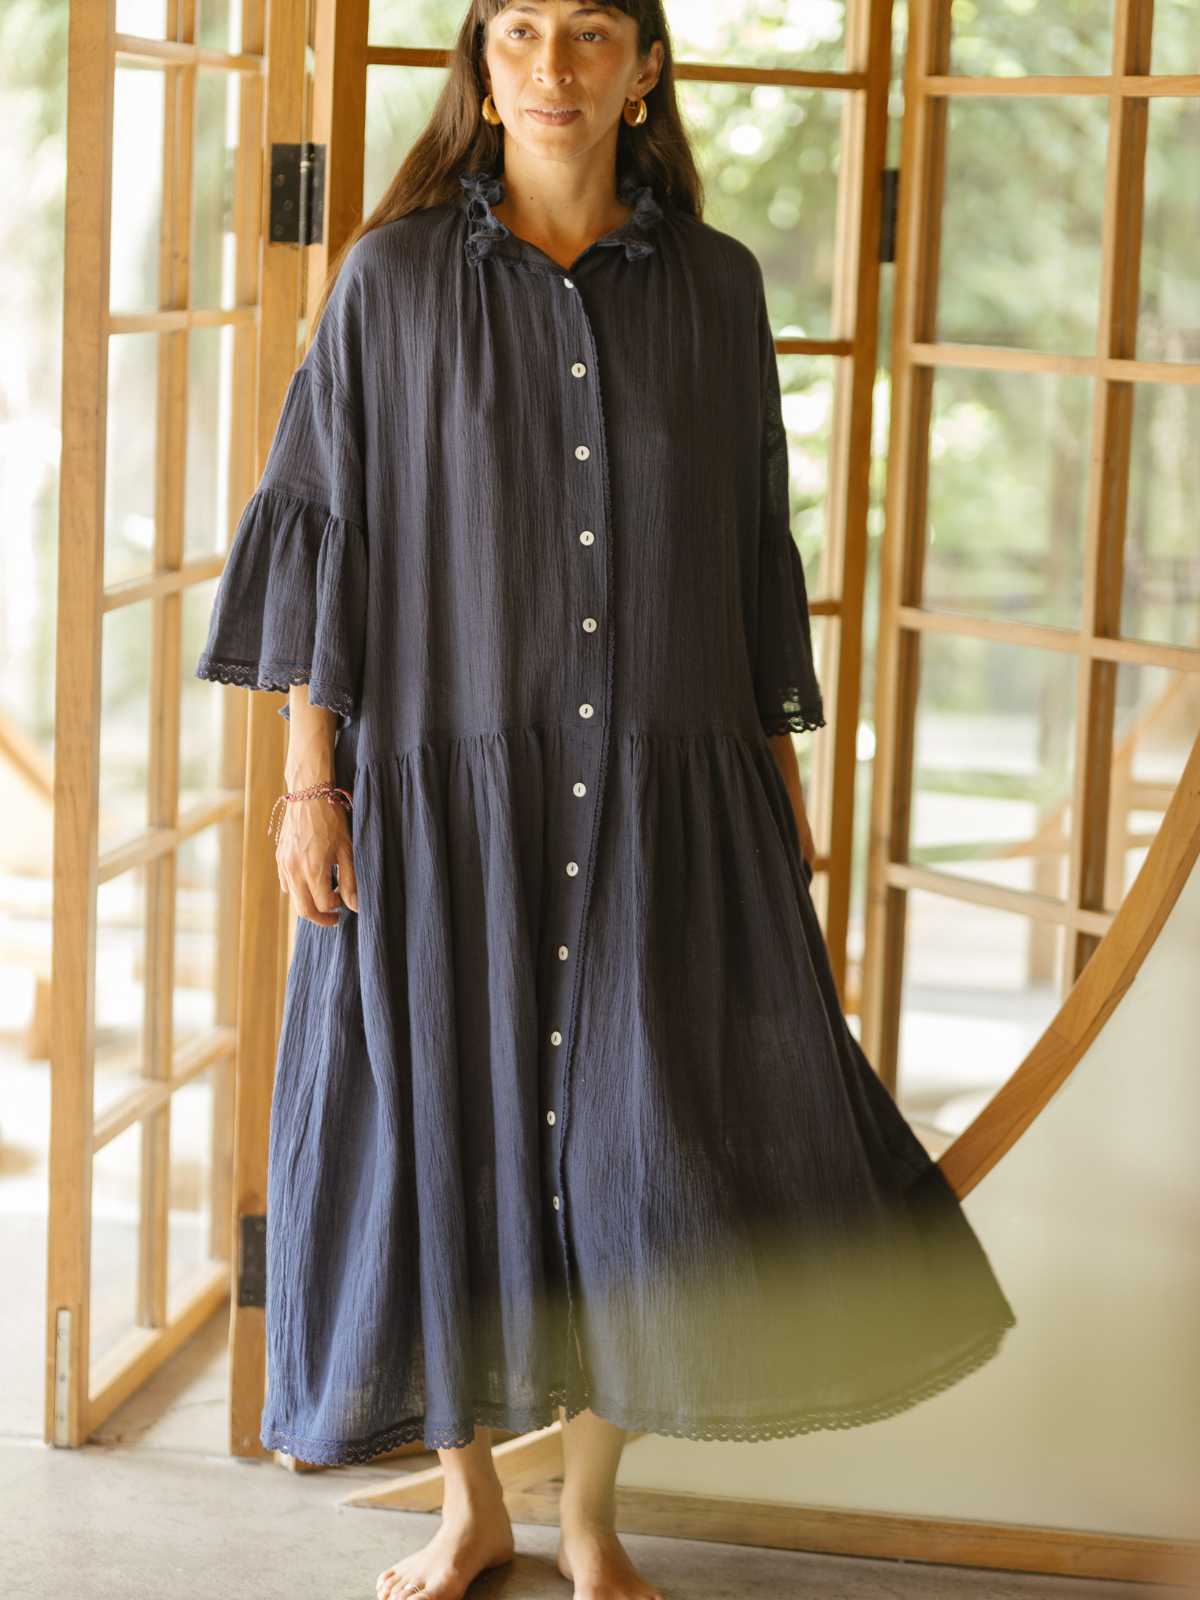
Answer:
(1094, 995)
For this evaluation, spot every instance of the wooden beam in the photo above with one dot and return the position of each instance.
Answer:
(882, 1536)
(520, 1463)
(77, 716)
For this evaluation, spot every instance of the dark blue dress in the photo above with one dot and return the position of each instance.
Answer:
(568, 1113)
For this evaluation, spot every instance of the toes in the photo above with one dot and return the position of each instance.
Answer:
(395, 1586)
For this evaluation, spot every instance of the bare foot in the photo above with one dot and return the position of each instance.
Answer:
(474, 1534)
(591, 1555)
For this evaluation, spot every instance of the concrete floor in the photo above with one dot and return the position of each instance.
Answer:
(140, 1523)
(155, 1507)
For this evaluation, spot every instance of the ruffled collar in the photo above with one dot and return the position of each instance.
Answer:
(486, 233)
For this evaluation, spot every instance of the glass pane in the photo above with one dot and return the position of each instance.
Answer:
(202, 703)
(116, 1206)
(214, 243)
(25, 996)
(994, 759)
(145, 17)
(770, 158)
(124, 721)
(864, 772)
(807, 393)
(196, 907)
(825, 636)
(1176, 41)
(1020, 261)
(421, 24)
(218, 22)
(129, 456)
(1161, 595)
(209, 432)
(120, 987)
(788, 33)
(137, 189)
(980, 986)
(1007, 495)
(190, 1187)
(1169, 303)
(1012, 38)
(399, 103)
(1158, 721)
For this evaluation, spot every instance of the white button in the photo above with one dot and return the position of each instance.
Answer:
(556, 1037)
(589, 624)
(555, 1202)
(550, 1118)
(579, 788)
(585, 710)
(569, 283)
(582, 452)
(578, 370)
(563, 952)
(587, 537)
(572, 868)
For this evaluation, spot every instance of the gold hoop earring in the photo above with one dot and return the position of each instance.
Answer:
(490, 114)
(639, 116)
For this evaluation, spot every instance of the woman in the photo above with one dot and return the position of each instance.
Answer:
(521, 556)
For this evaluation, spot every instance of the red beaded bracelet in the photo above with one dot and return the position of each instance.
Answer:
(332, 793)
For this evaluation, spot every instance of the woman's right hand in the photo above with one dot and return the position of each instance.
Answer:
(313, 838)
(315, 833)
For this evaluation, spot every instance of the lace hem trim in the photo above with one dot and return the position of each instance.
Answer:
(275, 675)
(343, 1452)
(966, 1360)
(793, 721)
(337, 1452)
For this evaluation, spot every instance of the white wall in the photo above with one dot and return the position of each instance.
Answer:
(1089, 1418)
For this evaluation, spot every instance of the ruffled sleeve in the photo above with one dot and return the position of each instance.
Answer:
(786, 690)
(291, 603)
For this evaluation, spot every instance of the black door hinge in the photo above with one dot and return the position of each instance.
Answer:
(297, 193)
(887, 222)
(252, 1261)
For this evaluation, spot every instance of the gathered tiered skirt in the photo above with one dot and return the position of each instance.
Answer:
(709, 1219)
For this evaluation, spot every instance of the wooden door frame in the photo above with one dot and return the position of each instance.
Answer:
(80, 1394)
(240, 1047)
(1097, 644)
(324, 106)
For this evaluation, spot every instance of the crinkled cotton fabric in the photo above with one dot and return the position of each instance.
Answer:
(568, 1113)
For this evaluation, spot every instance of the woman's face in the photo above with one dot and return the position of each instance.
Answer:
(544, 54)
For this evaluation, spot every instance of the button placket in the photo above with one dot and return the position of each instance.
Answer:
(588, 459)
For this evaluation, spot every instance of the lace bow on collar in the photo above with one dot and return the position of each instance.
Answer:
(486, 232)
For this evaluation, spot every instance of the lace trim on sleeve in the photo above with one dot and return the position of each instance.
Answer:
(291, 604)
(278, 676)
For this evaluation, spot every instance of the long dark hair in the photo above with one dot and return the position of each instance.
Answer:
(458, 139)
